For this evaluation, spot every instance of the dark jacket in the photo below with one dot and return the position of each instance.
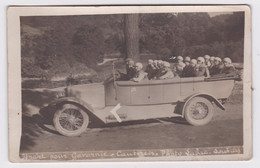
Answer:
(189, 71)
(130, 73)
(229, 69)
(151, 72)
(216, 69)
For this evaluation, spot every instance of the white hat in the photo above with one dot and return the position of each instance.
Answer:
(180, 58)
(166, 64)
(131, 62)
(187, 59)
(228, 60)
(139, 65)
(212, 58)
(217, 59)
(193, 61)
(206, 56)
(201, 59)
(150, 61)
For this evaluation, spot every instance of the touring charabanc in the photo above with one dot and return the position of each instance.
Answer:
(192, 98)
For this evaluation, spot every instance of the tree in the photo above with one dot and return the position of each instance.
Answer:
(235, 26)
(88, 44)
(132, 36)
(157, 34)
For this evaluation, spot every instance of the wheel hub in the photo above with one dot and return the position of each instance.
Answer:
(71, 119)
(199, 111)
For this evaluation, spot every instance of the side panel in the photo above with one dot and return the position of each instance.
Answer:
(156, 94)
(165, 91)
(139, 95)
(219, 89)
(187, 87)
(171, 93)
(123, 94)
(110, 94)
(93, 94)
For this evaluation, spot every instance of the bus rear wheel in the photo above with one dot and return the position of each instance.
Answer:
(198, 111)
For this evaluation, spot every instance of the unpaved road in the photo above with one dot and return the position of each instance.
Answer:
(226, 129)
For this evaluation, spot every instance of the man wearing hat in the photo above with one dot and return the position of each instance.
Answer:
(156, 69)
(166, 71)
(207, 60)
(202, 69)
(140, 74)
(211, 60)
(190, 70)
(218, 66)
(228, 66)
(130, 69)
(187, 61)
(179, 66)
(150, 69)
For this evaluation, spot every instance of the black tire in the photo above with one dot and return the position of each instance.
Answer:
(198, 111)
(70, 120)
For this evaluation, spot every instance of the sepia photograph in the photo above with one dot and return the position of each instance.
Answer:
(129, 83)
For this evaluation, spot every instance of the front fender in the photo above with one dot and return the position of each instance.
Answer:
(205, 95)
(72, 100)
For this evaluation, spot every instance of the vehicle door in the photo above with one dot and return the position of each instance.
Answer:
(139, 93)
(155, 92)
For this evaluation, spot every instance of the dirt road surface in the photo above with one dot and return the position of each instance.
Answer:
(38, 134)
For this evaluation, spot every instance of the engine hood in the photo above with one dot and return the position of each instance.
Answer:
(93, 94)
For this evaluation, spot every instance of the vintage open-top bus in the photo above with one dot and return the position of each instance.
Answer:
(192, 98)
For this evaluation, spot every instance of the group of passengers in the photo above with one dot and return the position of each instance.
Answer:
(157, 69)
(206, 66)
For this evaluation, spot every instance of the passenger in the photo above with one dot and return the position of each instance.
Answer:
(159, 70)
(179, 66)
(187, 61)
(150, 69)
(190, 70)
(140, 74)
(166, 71)
(160, 64)
(212, 60)
(130, 69)
(201, 69)
(156, 68)
(207, 60)
(155, 64)
(149, 66)
(228, 66)
(218, 66)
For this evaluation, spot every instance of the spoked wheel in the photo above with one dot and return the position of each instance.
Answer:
(198, 111)
(70, 120)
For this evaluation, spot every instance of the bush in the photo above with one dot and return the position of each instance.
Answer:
(29, 69)
(231, 49)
